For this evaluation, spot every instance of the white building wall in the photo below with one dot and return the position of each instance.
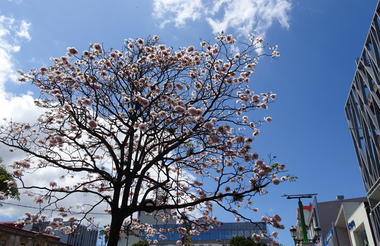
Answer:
(360, 219)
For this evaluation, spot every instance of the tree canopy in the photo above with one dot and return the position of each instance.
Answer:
(149, 128)
(8, 186)
(141, 243)
(243, 241)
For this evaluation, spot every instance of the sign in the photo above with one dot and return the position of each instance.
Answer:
(328, 237)
(351, 225)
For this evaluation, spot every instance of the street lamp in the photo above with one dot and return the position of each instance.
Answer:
(293, 232)
(301, 241)
(303, 233)
(318, 231)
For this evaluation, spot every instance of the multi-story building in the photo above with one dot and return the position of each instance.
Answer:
(345, 223)
(363, 115)
(217, 236)
(342, 222)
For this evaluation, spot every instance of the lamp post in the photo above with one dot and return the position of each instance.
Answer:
(303, 240)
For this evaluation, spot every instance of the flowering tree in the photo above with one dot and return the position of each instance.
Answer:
(149, 129)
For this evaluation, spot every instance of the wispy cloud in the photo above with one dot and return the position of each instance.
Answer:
(241, 16)
(16, 1)
(13, 34)
(24, 30)
(177, 11)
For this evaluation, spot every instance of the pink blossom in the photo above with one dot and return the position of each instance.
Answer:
(214, 139)
(179, 109)
(229, 39)
(259, 40)
(277, 218)
(97, 47)
(277, 225)
(179, 86)
(273, 96)
(48, 228)
(24, 163)
(130, 45)
(265, 219)
(71, 51)
(162, 114)
(140, 42)
(256, 132)
(190, 49)
(275, 53)
(256, 238)
(268, 119)
(17, 172)
(11, 183)
(92, 124)
(39, 200)
(209, 126)
(284, 178)
(224, 130)
(143, 127)
(262, 105)
(143, 101)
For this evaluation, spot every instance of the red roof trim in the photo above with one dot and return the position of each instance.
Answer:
(16, 226)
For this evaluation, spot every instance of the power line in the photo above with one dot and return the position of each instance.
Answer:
(50, 209)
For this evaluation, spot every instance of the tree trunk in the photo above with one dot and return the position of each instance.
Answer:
(114, 234)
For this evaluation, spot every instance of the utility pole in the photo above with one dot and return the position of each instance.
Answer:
(305, 239)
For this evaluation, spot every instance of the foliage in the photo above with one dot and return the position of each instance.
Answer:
(243, 241)
(149, 129)
(8, 187)
(141, 243)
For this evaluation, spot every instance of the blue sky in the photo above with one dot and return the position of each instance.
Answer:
(319, 42)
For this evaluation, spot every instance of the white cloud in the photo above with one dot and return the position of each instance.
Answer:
(177, 11)
(17, 107)
(242, 16)
(24, 30)
(12, 34)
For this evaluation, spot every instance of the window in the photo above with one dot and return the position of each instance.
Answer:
(361, 236)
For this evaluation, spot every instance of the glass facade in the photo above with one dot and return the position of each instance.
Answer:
(363, 115)
(224, 232)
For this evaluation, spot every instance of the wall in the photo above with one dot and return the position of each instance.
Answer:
(360, 218)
